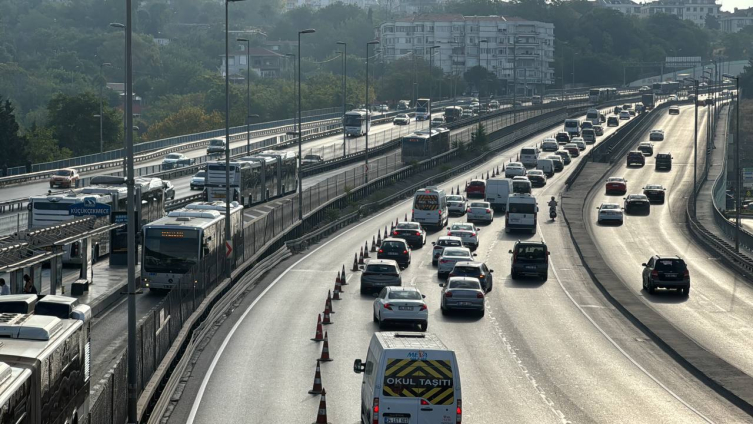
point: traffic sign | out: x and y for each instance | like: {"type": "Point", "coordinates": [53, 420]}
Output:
{"type": "Point", "coordinates": [228, 249]}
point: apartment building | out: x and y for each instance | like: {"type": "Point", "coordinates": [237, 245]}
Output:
{"type": "Point", "coordinates": [692, 10]}
{"type": "Point", "coordinates": [734, 22]}
{"type": "Point", "coordinates": [516, 50]}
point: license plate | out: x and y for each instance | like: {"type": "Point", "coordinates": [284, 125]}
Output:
{"type": "Point", "coordinates": [514, 220]}
{"type": "Point", "coordinates": [405, 308]}
{"type": "Point", "coordinates": [464, 303]}
{"type": "Point", "coordinates": [396, 420]}
{"type": "Point", "coordinates": [392, 254]}
{"type": "Point", "coordinates": [670, 275]}
{"type": "Point", "coordinates": [530, 266]}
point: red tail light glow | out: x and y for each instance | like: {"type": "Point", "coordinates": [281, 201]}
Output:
{"type": "Point", "coordinates": [459, 411]}
{"type": "Point", "coordinates": [468, 210]}
{"type": "Point", "coordinates": [424, 307]}
{"type": "Point", "coordinates": [479, 295]}
{"type": "Point", "coordinates": [424, 402]}
{"type": "Point", "coordinates": [375, 416]}
{"type": "Point", "coordinates": [394, 233]}
{"type": "Point", "coordinates": [449, 233]}
{"type": "Point", "coordinates": [443, 261]}
{"type": "Point", "coordinates": [418, 233]}
{"type": "Point", "coordinates": [448, 294]}
{"type": "Point", "coordinates": [381, 250]}
{"type": "Point", "coordinates": [388, 306]}
{"type": "Point", "coordinates": [473, 234]}
{"type": "Point", "coordinates": [488, 211]}
{"type": "Point", "coordinates": [654, 273]}
{"type": "Point", "coordinates": [405, 252]}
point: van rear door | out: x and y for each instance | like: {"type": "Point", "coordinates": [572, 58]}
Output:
{"type": "Point", "coordinates": [419, 388]}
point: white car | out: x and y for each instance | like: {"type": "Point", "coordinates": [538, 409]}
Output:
{"type": "Point", "coordinates": [598, 130]}
{"type": "Point", "coordinates": [450, 256]}
{"type": "Point", "coordinates": [441, 243]}
{"type": "Point", "coordinates": [624, 115]}
{"type": "Point", "coordinates": [401, 305]}
{"type": "Point", "coordinates": [197, 181]}
{"type": "Point", "coordinates": [456, 205]}
{"type": "Point", "coordinates": [480, 211]}
{"type": "Point", "coordinates": [550, 145]}
{"type": "Point", "coordinates": [466, 231]}
{"type": "Point", "coordinates": [580, 142]}
{"type": "Point", "coordinates": [401, 119]}
{"type": "Point", "coordinates": [673, 98]}
{"type": "Point", "coordinates": [437, 121]}
{"type": "Point", "coordinates": [174, 160]}
{"type": "Point", "coordinates": [609, 212]}
{"type": "Point", "coordinates": [656, 135]}
{"type": "Point", "coordinates": [514, 169]}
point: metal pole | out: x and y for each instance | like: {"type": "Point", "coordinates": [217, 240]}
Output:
{"type": "Point", "coordinates": [368, 117]}
{"type": "Point", "coordinates": [738, 189]}
{"type": "Point", "coordinates": [228, 236]}
{"type": "Point", "coordinates": [300, 136]}
{"type": "Point", "coordinates": [345, 92]}
{"type": "Point", "coordinates": [133, 388]}
{"type": "Point", "coordinates": [695, 149]}
{"type": "Point", "coordinates": [248, 96]}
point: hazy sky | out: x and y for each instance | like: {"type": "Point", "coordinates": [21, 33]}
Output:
{"type": "Point", "coordinates": [730, 5]}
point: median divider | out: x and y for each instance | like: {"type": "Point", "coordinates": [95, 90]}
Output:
{"type": "Point", "coordinates": [725, 379]}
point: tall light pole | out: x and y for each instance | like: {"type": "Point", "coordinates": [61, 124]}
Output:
{"type": "Point", "coordinates": [228, 198]}
{"type": "Point", "coordinates": [101, 114]}
{"type": "Point", "coordinates": [125, 71]}
{"type": "Point", "coordinates": [695, 143]}
{"type": "Point", "coordinates": [738, 188]}
{"type": "Point", "coordinates": [300, 127]}
{"type": "Point", "coordinates": [345, 89]}
{"type": "Point", "coordinates": [480, 52]}
{"type": "Point", "coordinates": [248, 92]}
{"type": "Point", "coordinates": [431, 79]}
{"type": "Point", "coordinates": [132, 377]}
{"type": "Point", "coordinates": [368, 111]}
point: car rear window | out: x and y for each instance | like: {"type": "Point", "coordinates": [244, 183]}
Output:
{"type": "Point", "coordinates": [461, 227]}
{"type": "Point", "coordinates": [408, 226]}
{"type": "Point", "coordinates": [531, 251]}
{"type": "Point", "coordinates": [455, 252]}
{"type": "Point", "coordinates": [467, 270]}
{"type": "Point", "coordinates": [449, 243]}
{"type": "Point", "coordinates": [405, 294]}
{"type": "Point", "coordinates": [477, 184]}
{"type": "Point", "coordinates": [527, 151]}
{"type": "Point", "coordinates": [479, 205]}
{"type": "Point", "coordinates": [381, 268]}
{"type": "Point", "coordinates": [670, 265]}
{"type": "Point", "coordinates": [464, 284]}
{"type": "Point", "coordinates": [521, 208]}
{"type": "Point", "coordinates": [173, 156]}
{"type": "Point", "coordinates": [393, 245]}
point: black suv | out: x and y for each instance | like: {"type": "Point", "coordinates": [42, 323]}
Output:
{"type": "Point", "coordinates": [395, 249]}
{"type": "Point", "coordinates": [613, 121]}
{"type": "Point", "coordinates": [635, 158]}
{"type": "Point", "coordinates": [530, 258]}
{"type": "Point", "coordinates": [477, 270]}
{"type": "Point", "coordinates": [663, 161]}
{"type": "Point", "coordinates": [668, 272]}
{"type": "Point", "coordinates": [562, 137]}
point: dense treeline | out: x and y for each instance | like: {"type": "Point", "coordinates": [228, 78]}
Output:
{"type": "Point", "coordinates": [53, 56]}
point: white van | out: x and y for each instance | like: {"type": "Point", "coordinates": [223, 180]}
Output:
{"type": "Point", "coordinates": [572, 127]}
{"type": "Point", "coordinates": [528, 156]}
{"type": "Point", "coordinates": [409, 378]}
{"type": "Point", "coordinates": [430, 207]}
{"type": "Point", "coordinates": [522, 213]}
{"type": "Point", "coordinates": [593, 116]}
{"type": "Point", "coordinates": [547, 166]}
{"type": "Point", "coordinates": [497, 191]}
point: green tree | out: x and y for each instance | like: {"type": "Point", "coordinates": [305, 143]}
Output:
{"type": "Point", "coordinates": [41, 146]}
{"type": "Point", "coordinates": [479, 139]}
{"type": "Point", "coordinates": [10, 139]}
{"type": "Point", "coordinates": [481, 79]}
{"type": "Point", "coordinates": [746, 81]}
{"type": "Point", "coordinates": [73, 123]}
{"type": "Point", "coordinates": [186, 121]}
{"type": "Point", "coordinates": [712, 22]}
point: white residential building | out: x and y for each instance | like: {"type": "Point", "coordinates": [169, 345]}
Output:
{"type": "Point", "coordinates": [502, 45]}
{"type": "Point", "coordinates": [733, 22]}
{"type": "Point", "coordinates": [317, 4]}
{"type": "Point", "coordinates": [692, 10]}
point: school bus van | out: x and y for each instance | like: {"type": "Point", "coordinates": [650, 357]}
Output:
{"type": "Point", "coordinates": [409, 378]}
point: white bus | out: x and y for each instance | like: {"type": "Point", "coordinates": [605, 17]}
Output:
{"type": "Point", "coordinates": [44, 369]}
{"type": "Point", "coordinates": [593, 116]}
{"type": "Point", "coordinates": [286, 175]}
{"type": "Point", "coordinates": [356, 122]}
{"type": "Point", "coordinates": [430, 207]}
{"type": "Point", "coordinates": [175, 244]}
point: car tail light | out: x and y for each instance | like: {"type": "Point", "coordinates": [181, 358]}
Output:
{"type": "Point", "coordinates": [479, 295]}
{"type": "Point", "coordinates": [481, 276]}
{"type": "Point", "coordinates": [473, 234]}
{"type": "Point", "coordinates": [418, 233]}
{"type": "Point", "coordinates": [424, 402]}
{"type": "Point", "coordinates": [381, 250]}
{"type": "Point", "coordinates": [405, 252]}
{"type": "Point", "coordinates": [424, 307]}
{"type": "Point", "coordinates": [394, 233]}
{"type": "Point", "coordinates": [375, 409]}
{"type": "Point", "coordinates": [388, 306]}
{"type": "Point", "coordinates": [459, 411]}
{"type": "Point", "coordinates": [443, 261]}
{"type": "Point", "coordinates": [654, 273]}
{"type": "Point", "coordinates": [448, 294]}
{"type": "Point", "coordinates": [468, 210]}
{"type": "Point", "coordinates": [440, 211]}
{"type": "Point", "coordinates": [686, 274]}
{"type": "Point", "coordinates": [488, 211]}
{"type": "Point", "coordinates": [449, 233]}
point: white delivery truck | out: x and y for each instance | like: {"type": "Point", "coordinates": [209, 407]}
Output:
{"type": "Point", "coordinates": [529, 156]}
{"type": "Point", "coordinates": [409, 378]}
{"type": "Point", "coordinates": [430, 207]}
{"type": "Point", "coordinates": [522, 213]}
{"type": "Point", "coordinates": [497, 191]}
{"type": "Point", "coordinates": [546, 165]}
{"type": "Point", "coordinates": [572, 127]}
{"type": "Point", "coordinates": [593, 116]}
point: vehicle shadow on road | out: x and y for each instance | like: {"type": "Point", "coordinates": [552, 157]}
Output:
{"type": "Point", "coordinates": [666, 296]}
{"type": "Point", "coordinates": [524, 282]}
{"type": "Point", "coordinates": [460, 316]}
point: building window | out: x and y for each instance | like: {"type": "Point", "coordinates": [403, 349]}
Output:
{"type": "Point", "coordinates": [243, 60]}
{"type": "Point", "coordinates": [232, 60]}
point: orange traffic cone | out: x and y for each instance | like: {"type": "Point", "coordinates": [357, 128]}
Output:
{"type": "Point", "coordinates": [325, 350]}
{"type": "Point", "coordinates": [317, 389]}
{"type": "Point", "coordinates": [337, 291]}
{"type": "Point", "coordinates": [355, 263]}
{"type": "Point", "coordinates": [379, 238]}
{"type": "Point", "coordinates": [318, 336]}
{"type": "Point", "coordinates": [328, 303]}
{"type": "Point", "coordinates": [360, 257]}
{"type": "Point", "coordinates": [366, 250]}
{"type": "Point", "coordinates": [337, 279]}
{"type": "Point", "coordinates": [373, 244]}
{"type": "Point", "coordinates": [342, 277]}
{"type": "Point", "coordinates": [406, 217]}
{"type": "Point", "coordinates": [327, 319]}
{"type": "Point", "coordinates": [321, 416]}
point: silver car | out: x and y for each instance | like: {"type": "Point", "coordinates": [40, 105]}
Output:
{"type": "Point", "coordinates": [467, 232]}
{"type": "Point", "coordinates": [380, 273]}
{"type": "Point", "coordinates": [439, 245]}
{"type": "Point", "coordinates": [450, 256]}
{"type": "Point", "coordinates": [480, 211]}
{"type": "Point", "coordinates": [456, 205]}
{"type": "Point", "coordinates": [463, 293]}
{"type": "Point", "coordinates": [401, 305]}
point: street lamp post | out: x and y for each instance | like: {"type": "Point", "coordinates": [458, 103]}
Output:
{"type": "Point", "coordinates": [738, 188]}
{"type": "Point", "coordinates": [345, 88]}
{"type": "Point", "coordinates": [101, 114]}
{"type": "Point", "coordinates": [125, 71]}
{"type": "Point", "coordinates": [431, 85]}
{"type": "Point", "coordinates": [695, 144]}
{"type": "Point", "coordinates": [368, 111]}
{"type": "Point", "coordinates": [228, 198]}
{"type": "Point", "coordinates": [480, 52]}
{"type": "Point", "coordinates": [300, 127]}
{"type": "Point", "coordinates": [248, 93]}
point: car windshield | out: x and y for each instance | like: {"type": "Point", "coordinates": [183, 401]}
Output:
{"type": "Point", "coordinates": [463, 227]}
{"type": "Point", "coordinates": [467, 270]}
{"type": "Point", "coordinates": [457, 252]}
{"type": "Point", "coordinates": [201, 174]}
{"type": "Point", "coordinates": [615, 180]}
{"type": "Point", "coordinates": [381, 268]}
{"type": "Point", "coordinates": [393, 245]}
{"type": "Point", "coordinates": [402, 115]}
{"type": "Point", "coordinates": [216, 142]}
{"type": "Point", "coordinates": [670, 265]}
{"type": "Point", "coordinates": [464, 284]}
{"type": "Point", "coordinates": [408, 226]}
{"type": "Point", "coordinates": [450, 243]}
{"type": "Point", "coordinates": [173, 156]}
{"type": "Point", "coordinates": [531, 251]}
{"type": "Point", "coordinates": [479, 205]}
{"type": "Point", "coordinates": [454, 198]}
{"type": "Point", "coordinates": [405, 295]}
{"type": "Point", "coordinates": [64, 173]}
{"type": "Point", "coordinates": [637, 197]}
{"type": "Point", "coordinates": [170, 251]}
{"type": "Point", "coordinates": [654, 187]}
{"type": "Point", "coordinates": [610, 206]}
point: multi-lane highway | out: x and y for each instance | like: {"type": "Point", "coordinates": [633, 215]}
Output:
{"type": "Point", "coordinates": [551, 351]}
{"type": "Point", "coordinates": [718, 312]}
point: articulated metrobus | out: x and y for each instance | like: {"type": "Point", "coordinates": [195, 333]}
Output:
{"type": "Point", "coordinates": [423, 145]}
{"type": "Point", "coordinates": [178, 242]}
{"type": "Point", "coordinates": [357, 122]}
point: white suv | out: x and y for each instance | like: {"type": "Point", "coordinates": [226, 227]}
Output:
{"type": "Point", "coordinates": [514, 169]}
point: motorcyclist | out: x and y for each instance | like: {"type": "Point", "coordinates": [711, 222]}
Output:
{"type": "Point", "coordinates": [552, 207]}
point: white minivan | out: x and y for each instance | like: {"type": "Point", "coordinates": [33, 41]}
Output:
{"type": "Point", "coordinates": [528, 156]}
{"type": "Point", "coordinates": [430, 207]}
{"type": "Point", "coordinates": [409, 378]}
{"type": "Point", "coordinates": [522, 213]}
{"type": "Point", "coordinates": [572, 127]}
{"type": "Point", "coordinates": [497, 191]}
{"type": "Point", "coordinates": [547, 166]}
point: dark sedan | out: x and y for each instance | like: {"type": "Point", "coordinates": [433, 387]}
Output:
{"type": "Point", "coordinates": [395, 249]}
{"type": "Point", "coordinates": [655, 193]}
{"type": "Point", "coordinates": [562, 137]}
{"type": "Point", "coordinates": [411, 232]}
{"type": "Point", "coordinates": [637, 203]}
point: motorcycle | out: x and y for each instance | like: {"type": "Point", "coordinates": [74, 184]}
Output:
{"type": "Point", "coordinates": [552, 213]}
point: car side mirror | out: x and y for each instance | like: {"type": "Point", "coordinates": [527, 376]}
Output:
{"type": "Point", "coordinates": [433, 243]}
{"type": "Point", "coordinates": [509, 251]}
{"type": "Point", "coordinates": [423, 296]}
{"type": "Point", "coordinates": [491, 270]}
{"type": "Point", "coordinates": [644, 264]}
{"type": "Point", "coordinates": [358, 366]}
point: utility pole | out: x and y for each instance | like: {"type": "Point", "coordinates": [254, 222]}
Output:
{"type": "Point", "coordinates": [368, 112]}
{"type": "Point", "coordinates": [248, 93]}
{"type": "Point", "coordinates": [345, 93]}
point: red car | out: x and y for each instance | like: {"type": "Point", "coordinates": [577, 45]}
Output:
{"type": "Point", "coordinates": [573, 149]}
{"type": "Point", "coordinates": [64, 178]}
{"type": "Point", "coordinates": [616, 185]}
{"type": "Point", "coordinates": [476, 188]}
